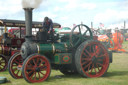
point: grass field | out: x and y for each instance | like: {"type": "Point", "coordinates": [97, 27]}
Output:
{"type": "Point", "coordinates": [117, 75]}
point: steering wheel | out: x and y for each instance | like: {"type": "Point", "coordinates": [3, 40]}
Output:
{"type": "Point", "coordinates": [80, 33]}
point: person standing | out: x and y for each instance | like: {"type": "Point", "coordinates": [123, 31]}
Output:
{"type": "Point", "coordinates": [48, 27]}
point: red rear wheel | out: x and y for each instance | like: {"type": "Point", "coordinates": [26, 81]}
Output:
{"type": "Point", "coordinates": [36, 68]}
{"type": "Point", "coordinates": [15, 65]}
{"type": "Point", "coordinates": [3, 63]}
{"type": "Point", "coordinates": [92, 59]}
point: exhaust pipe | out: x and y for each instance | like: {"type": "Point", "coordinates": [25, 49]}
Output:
{"type": "Point", "coordinates": [28, 23]}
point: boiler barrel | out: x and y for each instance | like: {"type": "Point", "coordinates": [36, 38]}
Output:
{"type": "Point", "coordinates": [52, 48]}
{"type": "Point", "coordinates": [29, 48]}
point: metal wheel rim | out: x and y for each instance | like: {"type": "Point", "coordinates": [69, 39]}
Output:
{"type": "Point", "coordinates": [3, 63]}
{"type": "Point", "coordinates": [33, 64]}
{"type": "Point", "coordinates": [91, 67]}
{"type": "Point", "coordinates": [16, 61]}
{"type": "Point", "coordinates": [80, 36]}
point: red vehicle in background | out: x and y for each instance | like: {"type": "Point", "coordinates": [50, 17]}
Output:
{"type": "Point", "coordinates": [113, 41]}
{"type": "Point", "coordinates": [20, 33]}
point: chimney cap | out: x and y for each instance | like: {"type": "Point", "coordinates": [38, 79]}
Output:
{"type": "Point", "coordinates": [28, 8]}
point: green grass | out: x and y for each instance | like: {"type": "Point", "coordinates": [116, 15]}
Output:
{"type": "Point", "coordinates": [125, 45]}
{"type": "Point", "coordinates": [117, 75]}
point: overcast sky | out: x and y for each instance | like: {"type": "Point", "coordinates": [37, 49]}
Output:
{"type": "Point", "coordinates": [69, 12]}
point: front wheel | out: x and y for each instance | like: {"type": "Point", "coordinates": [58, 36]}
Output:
{"type": "Point", "coordinates": [92, 59]}
{"type": "Point", "coordinates": [36, 68]}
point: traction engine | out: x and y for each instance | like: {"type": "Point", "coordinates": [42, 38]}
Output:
{"type": "Point", "coordinates": [75, 53]}
{"type": "Point", "coordinates": [113, 41]}
{"type": "Point", "coordinates": [9, 44]}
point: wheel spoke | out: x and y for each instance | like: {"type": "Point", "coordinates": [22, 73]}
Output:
{"type": "Point", "coordinates": [87, 65]}
{"type": "Point", "coordinates": [34, 62]}
{"type": "Point", "coordinates": [17, 72]}
{"type": "Point", "coordinates": [2, 62]}
{"type": "Point", "coordinates": [30, 68]}
{"type": "Point", "coordinates": [35, 76]}
{"type": "Point", "coordinates": [100, 64]}
{"type": "Point", "coordinates": [43, 68]}
{"type": "Point", "coordinates": [89, 68]}
{"type": "Point", "coordinates": [103, 55]}
{"type": "Point", "coordinates": [39, 75]}
{"type": "Point", "coordinates": [79, 29]}
{"type": "Point", "coordinates": [16, 62]}
{"type": "Point", "coordinates": [92, 68]}
{"type": "Point", "coordinates": [97, 67]}
{"type": "Point", "coordinates": [87, 52]}
{"type": "Point", "coordinates": [94, 49]}
{"type": "Point", "coordinates": [2, 65]}
{"type": "Point", "coordinates": [32, 75]}
{"type": "Point", "coordinates": [85, 55]}
{"type": "Point", "coordinates": [30, 64]}
{"type": "Point", "coordinates": [85, 32]}
{"type": "Point", "coordinates": [14, 69]}
{"type": "Point", "coordinates": [87, 59]}
{"type": "Point", "coordinates": [30, 72]}
{"type": "Point", "coordinates": [95, 70]}
{"type": "Point", "coordinates": [37, 61]}
{"type": "Point", "coordinates": [83, 63]}
{"type": "Point", "coordinates": [41, 62]}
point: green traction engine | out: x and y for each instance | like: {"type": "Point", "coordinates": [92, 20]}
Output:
{"type": "Point", "coordinates": [77, 52]}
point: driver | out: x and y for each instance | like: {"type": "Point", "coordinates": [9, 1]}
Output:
{"type": "Point", "coordinates": [48, 27]}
